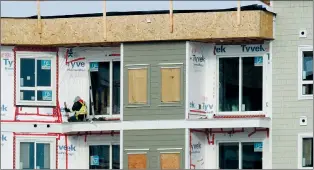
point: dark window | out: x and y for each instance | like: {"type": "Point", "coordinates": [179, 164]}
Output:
{"type": "Point", "coordinates": [307, 152]}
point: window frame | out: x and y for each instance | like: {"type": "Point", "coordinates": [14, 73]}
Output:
{"type": "Point", "coordinates": [36, 56]}
{"type": "Point", "coordinates": [301, 136]}
{"type": "Point", "coordinates": [47, 140]}
{"type": "Point", "coordinates": [110, 144]}
{"type": "Point", "coordinates": [172, 65]}
{"type": "Point", "coordinates": [110, 60]}
{"type": "Point", "coordinates": [301, 82]}
{"type": "Point", "coordinates": [266, 67]}
{"type": "Point", "coordinates": [126, 90]}
{"type": "Point", "coordinates": [240, 144]}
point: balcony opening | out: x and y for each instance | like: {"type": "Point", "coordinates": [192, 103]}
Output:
{"type": "Point", "coordinates": [104, 89]}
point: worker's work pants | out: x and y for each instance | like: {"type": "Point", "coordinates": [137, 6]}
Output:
{"type": "Point", "coordinates": [80, 118]}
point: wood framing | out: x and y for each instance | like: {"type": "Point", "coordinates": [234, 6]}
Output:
{"type": "Point", "coordinates": [256, 24]}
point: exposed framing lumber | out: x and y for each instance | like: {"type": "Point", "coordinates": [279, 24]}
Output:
{"type": "Point", "coordinates": [239, 12]}
{"type": "Point", "coordinates": [105, 20]}
{"type": "Point", "coordinates": [39, 24]}
{"type": "Point", "coordinates": [171, 15]}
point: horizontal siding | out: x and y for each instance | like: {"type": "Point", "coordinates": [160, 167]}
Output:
{"type": "Point", "coordinates": [152, 140]}
{"type": "Point", "coordinates": [153, 54]}
{"type": "Point", "coordinates": [292, 16]}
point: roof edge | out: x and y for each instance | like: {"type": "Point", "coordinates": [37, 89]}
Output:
{"type": "Point", "coordinates": [243, 8]}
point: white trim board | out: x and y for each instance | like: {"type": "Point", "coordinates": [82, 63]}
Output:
{"type": "Point", "coordinates": [167, 124]}
{"type": "Point", "coordinates": [136, 125]}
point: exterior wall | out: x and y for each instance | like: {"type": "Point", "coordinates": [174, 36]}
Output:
{"type": "Point", "coordinates": [287, 109]}
{"type": "Point", "coordinates": [78, 149]}
{"type": "Point", "coordinates": [153, 140]}
{"type": "Point", "coordinates": [153, 54]}
{"type": "Point", "coordinates": [73, 81]}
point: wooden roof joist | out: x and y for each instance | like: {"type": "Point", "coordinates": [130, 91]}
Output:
{"type": "Point", "coordinates": [257, 24]}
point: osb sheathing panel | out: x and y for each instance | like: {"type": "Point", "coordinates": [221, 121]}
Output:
{"type": "Point", "coordinates": [132, 28]}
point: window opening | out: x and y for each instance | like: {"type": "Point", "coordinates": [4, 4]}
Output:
{"type": "Point", "coordinates": [104, 88]}
{"type": "Point", "coordinates": [241, 84]}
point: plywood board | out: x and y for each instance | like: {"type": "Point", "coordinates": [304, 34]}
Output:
{"type": "Point", "coordinates": [170, 84]}
{"type": "Point", "coordinates": [135, 28]}
{"type": "Point", "coordinates": [137, 161]}
{"type": "Point", "coordinates": [137, 86]}
{"type": "Point", "coordinates": [170, 161]}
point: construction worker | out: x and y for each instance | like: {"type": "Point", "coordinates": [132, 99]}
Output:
{"type": "Point", "coordinates": [79, 108]}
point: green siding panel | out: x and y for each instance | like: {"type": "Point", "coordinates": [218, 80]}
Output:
{"type": "Point", "coordinates": [154, 54]}
{"type": "Point", "coordinates": [152, 140]}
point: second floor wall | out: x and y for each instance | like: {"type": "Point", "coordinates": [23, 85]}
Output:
{"type": "Point", "coordinates": [154, 81]}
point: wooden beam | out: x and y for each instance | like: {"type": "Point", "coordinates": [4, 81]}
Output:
{"type": "Point", "coordinates": [171, 15]}
{"type": "Point", "coordinates": [239, 12]}
{"type": "Point", "coordinates": [105, 20]}
{"type": "Point", "coordinates": [39, 17]}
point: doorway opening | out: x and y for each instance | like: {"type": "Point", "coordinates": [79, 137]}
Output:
{"type": "Point", "coordinates": [240, 155]}
{"type": "Point", "coordinates": [104, 88]}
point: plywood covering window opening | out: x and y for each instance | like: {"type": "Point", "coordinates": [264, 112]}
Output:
{"type": "Point", "coordinates": [170, 84]}
{"type": "Point", "coordinates": [36, 79]}
{"type": "Point", "coordinates": [137, 85]}
{"type": "Point", "coordinates": [137, 161]}
{"type": "Point", "coordinates": [170, 161]}
{"type": "Point", "coordinates": [305, 72]}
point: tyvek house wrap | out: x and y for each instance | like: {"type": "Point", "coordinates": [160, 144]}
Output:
{"type": "Point", "coordinates": [202, 80]}
{"type": "Point", "coordinates": [6, 150]}
{"type": "Point", "coordinates": [73, 81]}
{"type": "Point", "coordinates": [7, 82]}
{"type": "Point", "coordinates": [197, 150]}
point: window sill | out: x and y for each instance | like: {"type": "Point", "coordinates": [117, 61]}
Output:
{"type": "Point", "coordinates": [105, 116]}
{"type": "Point", "coordinates": [305, 168]}
{"type": "Point", "coordinates": [36, 104]}
{"type": "Point", "coordinates": [241, 113]}
{"type": "Point", "coordinates": [174, 104]}
{"type": "Point", "coordinates": [137, 105]}
{"type": "Point", "coordinates": [302, 97]}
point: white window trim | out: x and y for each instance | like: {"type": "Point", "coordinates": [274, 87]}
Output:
{"type": "Point", "coordinates": [47, 139]}
{"type": "Point", "coordinates": [301, 49]}
{"type": "Point", "coordinates": [300, 148]}
{"type": "Point", "coordinates": [110, 60]}
{"type": "Point", "coordinates": [265, 82]}
{"type": "Point", "coordinates": [110, 151]}
{"type": "Point", "coordinates": [36, 55]}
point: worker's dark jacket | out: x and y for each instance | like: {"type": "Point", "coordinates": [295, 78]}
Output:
{"type": "Point", "coordinates": [76, 107]}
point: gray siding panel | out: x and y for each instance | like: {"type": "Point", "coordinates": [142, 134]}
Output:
{"type": "Point", "coordinates": [153, 54]}
{"type": "Point", "coordinates": [152, 140]}
{"type": "Point", "coordinates": [287, 109]}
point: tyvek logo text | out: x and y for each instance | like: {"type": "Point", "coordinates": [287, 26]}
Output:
{"type": "Point", "coordinates": [63, 148]}
{"type": "Point", "coordinates": [3, 139]}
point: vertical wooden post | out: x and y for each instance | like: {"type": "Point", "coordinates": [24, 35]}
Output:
{"type": "Point", "coordinates": [105, 20]}
{"type": "Point", "coordinates": [39, 17]}
{"type": "Point", "coordinates": [171, 15]}
{"type": "Point", "coordinates": [239, 12]}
